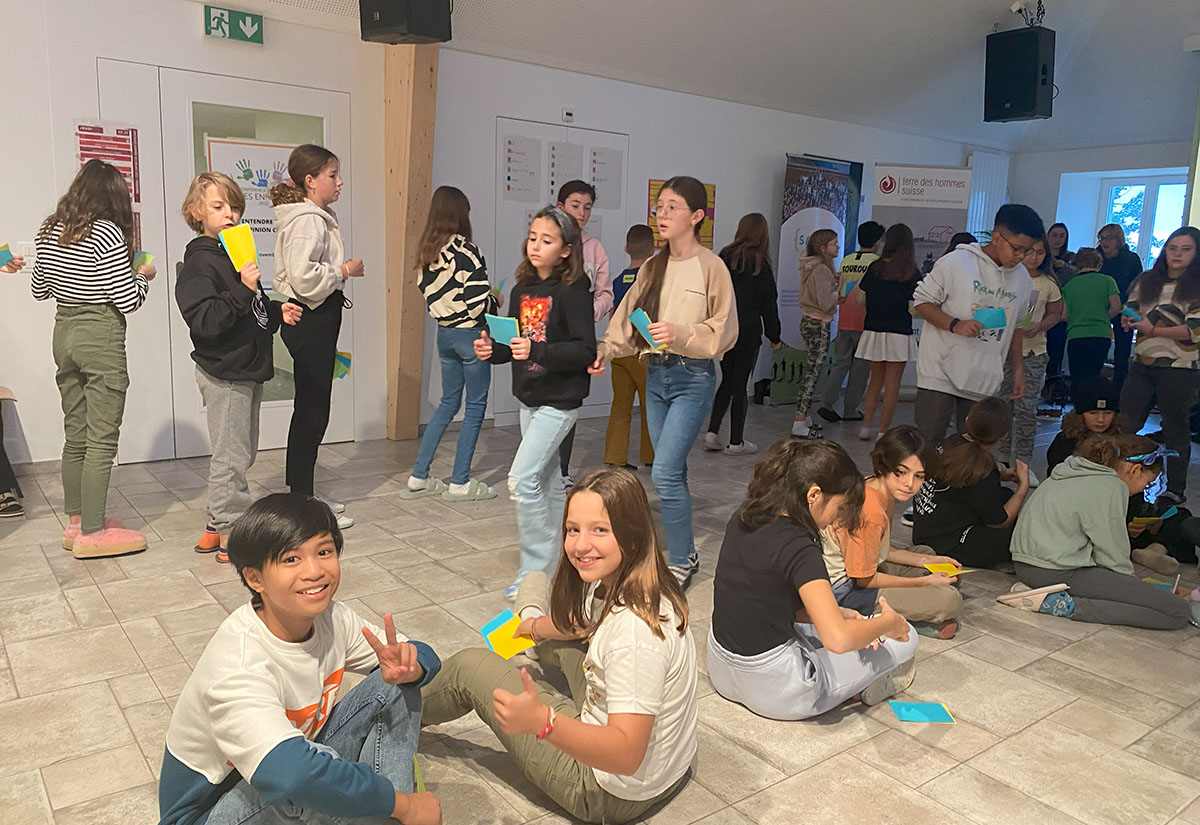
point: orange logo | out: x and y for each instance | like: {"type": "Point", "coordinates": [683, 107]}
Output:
{"type": "Point", "coordinates": [310, 719]}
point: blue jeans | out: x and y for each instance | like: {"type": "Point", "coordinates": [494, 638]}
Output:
{"type": "Point", "coordinates": [376, 723]}
{"type": "Point", "coordinates": [679, 392]}
{"type": "Point", "coordinates": [534, 483]}
{"type": "Point", "coordinates": [459, 367]}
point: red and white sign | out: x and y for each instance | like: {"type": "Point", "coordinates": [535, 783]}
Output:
{"type": "Point", "coordinates": [927, 186]}
{"type": "Point", "coordinates": [116, 144]}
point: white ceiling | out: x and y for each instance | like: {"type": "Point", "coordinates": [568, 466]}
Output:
{"type": "Point", "coordinates": [914, 66]}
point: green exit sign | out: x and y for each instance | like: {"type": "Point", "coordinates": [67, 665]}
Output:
{"type": "Point", "coordinates": [231, 24]}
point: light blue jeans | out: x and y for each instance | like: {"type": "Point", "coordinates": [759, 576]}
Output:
{"type": "Point", "coordinates": [679, 393]}
{"type": "Point", "coordinates": [460, 368]}
{"type": "Point", "coordinates": [375, 723]}
{"type": "Point", "coordinates": [535, 484]}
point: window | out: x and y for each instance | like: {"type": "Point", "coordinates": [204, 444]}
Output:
{"type": "Point", "coordinates": [1148, 209]}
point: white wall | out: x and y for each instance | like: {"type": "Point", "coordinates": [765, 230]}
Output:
{"type": "Point", "coordinates": [49, 79]}
{"type": "Point", "coordinates": [737, 147]}
{"type": "Point", "coordinates": [1035, 176]}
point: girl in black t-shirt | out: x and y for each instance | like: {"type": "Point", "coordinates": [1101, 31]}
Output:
{"type": "Point", "coordinates": [779, 642]}
{"type": "Point", "coordinates": [962, 510]}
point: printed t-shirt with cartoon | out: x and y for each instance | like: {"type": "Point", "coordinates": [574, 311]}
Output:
{"type": "Point", "coordinates": [967, 284]}
{"type": "Point", "coordinates": [943, 513]}
{"type": "Point", "coordinates": [1160, 351]}
{"type": "Point", "coordinates": [251, 709]}
{"type": "Point", "coordinates": [851, 314]}
{"type": "Point", "coordinates": [1086, 296]}
{"type": "Point", "coordinates": [630, 670]}
{"type": "Point", "coordinates": [1045, 291]}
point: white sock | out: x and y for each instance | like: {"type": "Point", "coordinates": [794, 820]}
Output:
{"type": "Point", "coordinates": [459, 489]}
{"type": "Point", "coordinates": [415, 483]}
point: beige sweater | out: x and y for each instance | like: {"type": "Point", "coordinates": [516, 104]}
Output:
{"type": "Point", "coordinates": [818, 288]}
{"type": "Point", "coordinates": [697, 296]}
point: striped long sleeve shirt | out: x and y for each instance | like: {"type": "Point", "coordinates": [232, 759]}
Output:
{"type": "Point", "coordinates": [455, 286]}
{"type": "Point", "coordinates": [94, 271]}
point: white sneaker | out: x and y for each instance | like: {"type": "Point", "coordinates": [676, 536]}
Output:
{"type": "Point", "coordinates": [1033, 480]}
{"type": "Point", "coordinates": [712, 441]}
{"type": "Point", "coordinates": [335, 506]}
{"type": "Point", "coordinates": [344, 522]}
{"type": "Point", "coordinates": [801, 429]}
{"type": "Point", "coordinates": [745, 448]}
{"type": "Point", "coordinates": [864, 434]}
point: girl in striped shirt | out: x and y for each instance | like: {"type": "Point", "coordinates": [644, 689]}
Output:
{"type": "Point", "coordinates": [85, 262]}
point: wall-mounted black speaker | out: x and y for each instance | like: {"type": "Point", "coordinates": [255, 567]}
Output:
{"type": "Point", "coordinates": [1019, 77]}
{"type": "Point", "coordinates": [405, 21]}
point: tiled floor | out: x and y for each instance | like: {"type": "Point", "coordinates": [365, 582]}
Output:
{"type": "Point", "coordinates": [1059, 722]}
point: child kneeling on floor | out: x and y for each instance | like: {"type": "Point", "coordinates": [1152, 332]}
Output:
{"type": "Point", "coordinates": [624, 738]}
{"type": "Point", "coordinates": [779, 643]}
{"type": "Point", "coordinates": [863, 563]}
{"type": "Point", "coordinates": [255, 738]}
{"type": "Point", "coordinates": [1071, 549]}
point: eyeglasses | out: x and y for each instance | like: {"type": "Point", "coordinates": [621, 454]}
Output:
{"type": "Point", "coordinates": [1150, 459]}
{"type": "Point", "coordinates": [1019, 251]}
{"type": "Point", "coordinates": [668, 209]}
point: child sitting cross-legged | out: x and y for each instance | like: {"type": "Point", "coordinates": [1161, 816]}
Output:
{"type": "Point", "coordinates": [625, 737]}
{"type": "Point", "coordinates": [255, 738]}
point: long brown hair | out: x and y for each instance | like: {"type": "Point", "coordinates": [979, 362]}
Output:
{"type": "Point", "coordinates": [655, 270]}
{"type": "Point", "coordinates": [899, 256]}
{"type": "Point", "coordinates": [449, 215]}
{"type": "Point", "coordinates": [967, 457]}
{"type": "Point", "coordinates": [306, 159]}
{"type": "Point", "coordinates": [97, 193]}
{"type": "Point", "coordinates": [751, 245]}
{"type": "Point", "coordinates": [642, 579]}
{"type": "Point", "coordinates": [817, 242]}
{"type": "Point", "coordinates": [783, 477]}
{"type": "Point", "coordinates": [1147, 287]}
{"type": "Point", "coordinates": [570, 268]}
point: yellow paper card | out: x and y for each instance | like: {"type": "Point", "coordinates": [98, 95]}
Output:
{"type": "Point", "coordinates": [500, 639]}
{"type": "Point", "coordinates": [239, 245]}
{"type": "Point", "coordinates": [949, 569]}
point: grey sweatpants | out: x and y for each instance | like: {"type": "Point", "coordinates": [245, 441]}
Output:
{"type": "Point", "coordinates": [801, 679]}
{"type": "Point", "coordinates": [842, 349]}
{"type": "Point", "coordinates": [232, 408]}
{"type": "Point", "coordinates": [1103, 596]}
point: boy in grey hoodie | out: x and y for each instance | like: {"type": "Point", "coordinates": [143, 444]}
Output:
{"type": "Point", "coordinates": [1072, 534]}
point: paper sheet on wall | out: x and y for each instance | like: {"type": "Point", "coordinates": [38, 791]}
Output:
{"type": "Point", "coordinates": [566, 163]}
{"type": "Point", "coordinates": [115, 144]}
{"type": "Point", "coordinates": [522, 169]}
{"type": "Point", "coordinates": [606, 175]}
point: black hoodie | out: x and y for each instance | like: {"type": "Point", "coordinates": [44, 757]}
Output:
{"type": "Point", "coordinates": [232, 340]}
{"type": "Point", "coordinates": [557, 318]}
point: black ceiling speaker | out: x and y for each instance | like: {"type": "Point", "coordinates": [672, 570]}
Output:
{"type": "Point", "coordinates": [1019, 76]}
{"type": "Point", "coordinates": [405, 21]}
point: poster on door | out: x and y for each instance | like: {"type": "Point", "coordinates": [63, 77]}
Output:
{"type": "Point", "coordinates": [931, 200]}
{"type": "Point", "coordinates": [256, 167]}
{"type": "Point", "coordinates": [115, 144]}
{"type": "Point", "coordinates": [710, 212]}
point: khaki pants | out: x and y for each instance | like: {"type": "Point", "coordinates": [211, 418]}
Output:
{"type": "Point", "coordinates": [628, 378]}
{"type": "Point", "coordinates": [89, 351]}
{"type": "Point", "coordinates": [932, 603]}
{"type": "Point", "coordinates": [465, 684]}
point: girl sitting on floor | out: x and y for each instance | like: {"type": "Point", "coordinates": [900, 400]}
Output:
{"type": "Point", "coordinates": [779, 643]}
{"type": "Point", "coordinates": [963, 511]}
{"type": "Point", "coordinates": [864, 563]}
{"type": "Point", "coordinates": [1071, 548]}
{"type": "Point", "coordinates": [624, 738]}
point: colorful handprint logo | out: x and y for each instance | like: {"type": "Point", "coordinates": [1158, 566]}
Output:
{"type": "Point", "coordinates": [244, 171]}
{"type": "Point", "coordinates": [255, 177]}
{"type": "Point", "coordinates": [280, 173]}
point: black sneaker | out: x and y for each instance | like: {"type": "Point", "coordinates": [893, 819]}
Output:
{"type": "Point", "coordinates": [854, 416]}
{"type": "Point", "coordinates": [684, 574]}
{"type": "Point", "coordinates": [829, 415]}
{"type": "Point", "coordinates": [10, 507]}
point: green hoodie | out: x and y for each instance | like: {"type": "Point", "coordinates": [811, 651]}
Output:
{"type": "Point", "coordinates": [1075, 519]}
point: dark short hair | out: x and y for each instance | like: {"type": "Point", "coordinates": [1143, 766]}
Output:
{"type": "Point", "coordinates": [576, 187]}
{"type": "Point", "coordinates": [1020, 220]}
{"type": "Point", "coordinates": [897, 444]}
{"type": "Point", "coordinates": [276, 525]}
{"type": "Point", "coordinates": [869, 234]}
{"type": "Point", "coordinates": [639, 241]}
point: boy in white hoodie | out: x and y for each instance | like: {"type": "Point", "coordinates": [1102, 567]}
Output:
{"type": "Point", "coordinates": [971, 303]}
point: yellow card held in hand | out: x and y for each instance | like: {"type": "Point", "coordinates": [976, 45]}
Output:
{"type": "Point", "coordinates": [949, 569]}
{"type": "Point", "coordinates": [239, 245]}
{"type": "Point", "coordinates": [498, 633]}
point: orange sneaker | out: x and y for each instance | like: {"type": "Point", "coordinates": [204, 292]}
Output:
{"type": "Point", "coordinates": [72, 532]}
{"type": "Point", "coordinates": [210, 540]}
{"type": "Point", "coordinates": [111, 541]}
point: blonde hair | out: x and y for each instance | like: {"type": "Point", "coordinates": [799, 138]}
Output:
{"type": "Point", "coordinates": [193, 204]}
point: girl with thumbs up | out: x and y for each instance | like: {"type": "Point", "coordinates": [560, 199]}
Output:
{"type": "Point", "coordinates": [623, 740]}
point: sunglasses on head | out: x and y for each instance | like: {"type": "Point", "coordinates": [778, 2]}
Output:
{"type": "Point", "coordinates": [1150, 459]}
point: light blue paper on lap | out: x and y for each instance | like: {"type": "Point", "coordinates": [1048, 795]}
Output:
{"type": "Point", "coordinates": [991, 317]}
{"type": "Point", "coordinates": [934, 712]}
{"type": "Point", "coordinates": [502, 328]}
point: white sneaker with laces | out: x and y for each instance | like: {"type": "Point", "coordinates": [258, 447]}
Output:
{"type": "Point", "coordinates": [712, 441]}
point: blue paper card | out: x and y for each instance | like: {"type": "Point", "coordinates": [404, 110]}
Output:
{"type": "Point", "coordinates": [846, 290]}
{"type": "Point", "coordinates": [502, 328]}
{"type": "Point", "coordinates": [6, 255]}
{"type": "Point", "coordinates": [934, 712]}
{"type": "Point", "coordinates": [495, 624]}
{"type": "Point", "coordinates": [991, 317]}
{"type": "Point", "coordinates": [641, 322]}
{"type": "Point", "coordinates": [1130, 314]}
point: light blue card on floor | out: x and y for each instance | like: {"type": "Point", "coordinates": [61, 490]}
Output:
{"type": "Point", "coordinates": [502, 328]}
{"type": "Point", "coordinates": [991, 317]}
{"type": "Point", "coordinates": [932, 712]}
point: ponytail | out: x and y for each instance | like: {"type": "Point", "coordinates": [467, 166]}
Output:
{"type": "Point", "coordinates": [967, 457]}
{"type": "Point", "coordinates": [305, 160]}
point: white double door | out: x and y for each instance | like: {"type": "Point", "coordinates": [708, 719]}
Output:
{"type": "Point", "coordinates": [177, 113]}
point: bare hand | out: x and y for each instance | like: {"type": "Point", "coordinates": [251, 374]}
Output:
{"type": "Point", "coordinates": [148, 271]}
{"type": "Point", "coordinates": [899, 631]}
{"type": "Point", "coordinates": [522, 712]}
{"type": "Point", "coordinates": [251, 276]}
{"type": "Point", "coordinates": [14, 266]}
{"type": "Point", "coordinates": [663, 332]}
{"type": "Point", "coordinates": [1022, 470]}
{"type": "Point", "coordinates": [850, 614]}
{"type": "Point", "coordinates": [1143, 326]}
{"type": "Point", "coordinates": [418, 809]}
{"type": "Point", "coordinates": [937, 578]}
{"type": "Point", "coordinates": [1136, 529]}
{"type": "Point", "coordinates": [597, 367]}
{"type": "Point", "coordinates": [291, 313]}
{"type": "Point", "coordinates": [525, 628]}
{"type": "Point", "coordinates": [776, 344]}
{"type": "Point", "coordinates": [968, 329]}
{"type": "Point", "coordinates": [398, 663]}
{"type": "Point", "coordinates": [944, 560]}
{"type": "Point", "coordinates": [483, 346]}
{"type": "Point", "coordinates": [354, 268]}
{"type": "Point", "coordinates": [1018, 389]}
{"type": "Point", "coordinates": [520, 348]}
